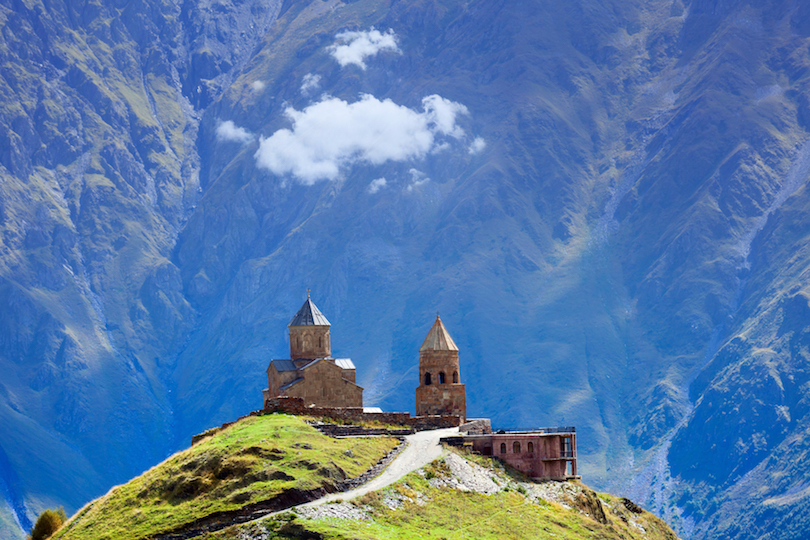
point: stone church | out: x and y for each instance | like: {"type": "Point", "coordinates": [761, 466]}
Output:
{"type": "Point", "coordinates": [311, 373]}
{"type": "Point", "coordinates": [312, 378]}
{"type": "Point", "coordinates": [322, 381]}
{"type": "Point", "coordinates": [440, 391]}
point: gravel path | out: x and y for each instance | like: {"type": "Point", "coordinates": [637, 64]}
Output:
{"type": "Point", "coordinates": [423, 447]}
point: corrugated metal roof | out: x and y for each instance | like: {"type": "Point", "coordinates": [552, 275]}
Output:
{"type": "Point", "coordinates": [283, 365]}
{"type": "Point", "coordinates": [345, 363]}
{"type": "Point", "coordinates": [309, 315]}
{"type": "Point", "coordinates": [438, 339]}
{"type": "Point", "coordinates": [289, 384]}
{"type": "Point", "coordinates": [311, 362]}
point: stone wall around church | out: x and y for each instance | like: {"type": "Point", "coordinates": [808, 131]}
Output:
{"type": "Point", "coordinates": [294, 405]}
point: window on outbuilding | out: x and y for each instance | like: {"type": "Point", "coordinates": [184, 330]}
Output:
{"type": "Point", "coordinates": [516, 447]}
{"type": "Point", "coordinates": [530, 447]}
{"type": "Point", "coordinates": [565, 447]}
{"type": "Point", "coordinates": [441, 377]}
{"type": "Point", "coordinates": [503, 448]}
{"type": "Point", "coordinates": [427, 379]}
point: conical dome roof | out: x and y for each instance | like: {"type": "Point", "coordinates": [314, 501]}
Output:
{"type": "Point", "coordinates": [438, 339]}
{"type": "Point", "coordinates": [309, 315]}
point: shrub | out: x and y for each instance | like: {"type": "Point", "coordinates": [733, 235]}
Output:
{"type": "Point", "coordinates": [48, 523]}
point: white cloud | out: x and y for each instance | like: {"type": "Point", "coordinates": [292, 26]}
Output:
{"type": "Point", "coordinates": [377, 185]}
{"type": "Point", "coordinates": [228, 131]}
{"type": "Point", "coordinates": [257, 86]}
{"type": "Point", "coordinates": [417, 179]}
{"type": "Point", "coordinates": [442, 114]}
{"type": "Point", "coordinates": [477, 145]}
{"type": "Point", "coordinates": [309, 83]}
{"type": "Point", "coordinates": [355, 47]}
{"type": "Point", "coordinates": [333, 133]}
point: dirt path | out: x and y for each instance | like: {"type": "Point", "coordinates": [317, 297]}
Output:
{"type": "Point", "coordinates": [423, 447]}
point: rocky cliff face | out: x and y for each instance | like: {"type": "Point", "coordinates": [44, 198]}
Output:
{"type": "Point", "coordinates": [100, 169]}
{"type": "Point", "coordinates": [604, 200]}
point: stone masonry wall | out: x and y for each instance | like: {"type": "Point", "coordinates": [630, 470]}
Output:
{"type": "Point", "coordinates": [441, 399]}
{"type": "Point", "coordinates": [324, 385]}
{"type": "Point", "coordinates": [293, 405]}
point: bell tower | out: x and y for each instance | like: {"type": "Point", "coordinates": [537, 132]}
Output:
{"type": "Point", "coordinates": [440, 391]}
{"type": "Point", "coordinates": [309, 333]}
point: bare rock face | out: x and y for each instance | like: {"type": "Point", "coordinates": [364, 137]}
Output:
{"type": "Point", "coordinates": [616, 230]}
{"type": "Point", "coordinates": [98, 172]}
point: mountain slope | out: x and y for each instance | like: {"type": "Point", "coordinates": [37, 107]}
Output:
{"type": "Point", "coordinates": [604, 200]}
{"type": "Point", "coordinates": [258, 460]}
{"type": "Point", "coordinates": [262, 459]}
{"type": "Point", "coordinates": [99, 169]}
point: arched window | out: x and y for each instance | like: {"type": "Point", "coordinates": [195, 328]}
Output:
{"type": "Point", "coordinates": [299, 342]}
{"type": "Point", "coordinates": [441, 377]}
{"type": "Point", "coordinates": [427, 379]}
{"type": "Point", "coordinates": [455, 377]}
{"type": "Point", "coordinates": [320, 344]}
{"type": "Point", "coordinates": [516, 447]}
{"type": "Point", "coordinates": [503, 448]}
{"type": "Point", "coordinates": [530, 447]}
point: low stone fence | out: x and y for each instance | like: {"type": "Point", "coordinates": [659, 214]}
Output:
{"type": "Point", "coordinates": [340, 430]}
{"type": "Point", "coordinates": [295, 405]}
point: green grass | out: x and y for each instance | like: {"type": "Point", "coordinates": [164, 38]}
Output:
{"type": "Point", "coordinates": [444, 513]}
{"type": "Point", "coordinates": [254, 460]}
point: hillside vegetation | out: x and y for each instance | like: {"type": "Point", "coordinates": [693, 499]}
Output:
{"type": "Point", "coordinates": [255, 460]}
{"type": "Point", "coordinates": [464, 496]}
{"type": "Point", "coordinates": [615, 227]}
{"type": "Point", "coordinates": [460, 495]}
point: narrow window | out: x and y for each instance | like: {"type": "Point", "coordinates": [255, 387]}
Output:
{"type": "Point", "coordinates": [427, 379]}
{"type": "Point", "coordinates": [565, 447]}
{"type": "Point", "coordinates": [516, 447]}
{"type": "Point", "coordinates": [319, 342]}
{"type": "Point", "coordinates": [503, 448]}
{"type": "Point", "coordinates": [441, 377]}
{"type": "Point", "coordinates": [455, 377]}
{"type": "Point", "coordinates": [530, 447]}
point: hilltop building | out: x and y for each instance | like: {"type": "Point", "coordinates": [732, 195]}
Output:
{"type": "Point", "coordinates": [312, 382]}
{"type": "Point", "coordinates": [440, 391]}
{"type": "Point", "coordinates": [543, 454]}
{"type": "Point", "coordinates": [311, 373]}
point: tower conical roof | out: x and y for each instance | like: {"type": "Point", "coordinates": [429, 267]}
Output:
{"type": "Point", "coordinates": [438, 339]}
{"type": "Point", "coordinates": [309, 315]}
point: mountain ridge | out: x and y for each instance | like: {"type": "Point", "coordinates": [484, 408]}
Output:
{"type": "Point", "coordinates": [617, 254]}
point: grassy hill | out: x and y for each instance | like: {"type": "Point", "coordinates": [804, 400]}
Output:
{"type": "Point", "coordinates": [256, 460]}
{"type": "Point", "coordinates": [431, 503]}
{"type": "Point", "coordinates": [627, 252]}
{"type": "Point", "coordinates": [262, 459]}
